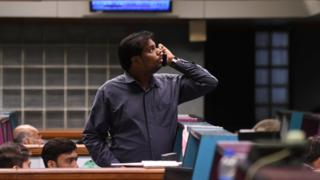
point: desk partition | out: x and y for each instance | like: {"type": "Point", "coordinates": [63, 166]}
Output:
{"type": "Point", "coordinates": [201, 147]}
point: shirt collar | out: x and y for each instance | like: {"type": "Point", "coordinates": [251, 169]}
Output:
{"type": "Point", "coordinates": [129, 79]}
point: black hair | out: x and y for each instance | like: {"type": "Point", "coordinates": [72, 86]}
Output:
{"type": "Point", "coordinates": [13, 154]}
{"type": "Point", "coordinates": [55, 147]}
{"type": "Point", "coordinates": [132, 45]}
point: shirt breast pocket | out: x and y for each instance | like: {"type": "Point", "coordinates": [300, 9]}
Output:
{"type": "Point", "coordinates": [163, 102]}
{"type": "Point", "coordinates": [163, 112]}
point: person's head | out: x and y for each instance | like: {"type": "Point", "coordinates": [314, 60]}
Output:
{"type": "Point", "coordinates": [313, 152]}
{"type": "Point", "coordinates": [14, 155]}
{"type": "Point", "coordinates": [139, 49]}
{"type": "Point", "coordinates": [27, 134]}
{"type": "Point", "coordinates": [60, 153]}
{"type": "Point", "coordinates": [267, 125]}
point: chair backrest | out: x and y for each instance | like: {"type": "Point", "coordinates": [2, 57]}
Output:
{"type": "Point", "coordinates": [8, 122]}
{"type": "Point", "coordinates": [267, 125]}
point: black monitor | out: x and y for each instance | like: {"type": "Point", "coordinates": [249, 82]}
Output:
{"type": "Point", "coordinates": [258, 136]}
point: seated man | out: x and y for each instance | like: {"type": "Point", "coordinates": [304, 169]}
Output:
{"type": "Point", "coordinates": [27, 134]}
{"type": "Point", "coordinates": [14, 155]}
{"type": "Point", "coordinates": [60, 153]}
{"type": "Point", "coordinates": [267, 125]}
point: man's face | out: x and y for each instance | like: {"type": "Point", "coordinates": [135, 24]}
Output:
{"type": "Point", "coordinates": [35, 137]}
{"type": "Point", "coordinates": [67, 160]}
{"type": "Point", "coordinates": [151, 57]}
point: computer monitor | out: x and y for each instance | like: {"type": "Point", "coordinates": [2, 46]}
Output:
{"type": "Point", "coordinates": [131, 5]}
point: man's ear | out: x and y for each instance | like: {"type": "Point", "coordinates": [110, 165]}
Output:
{"type": "Point", "coordinates": [52, 164]}
{"type": "Point", "coordinates": [26, 140]}
{"type": "Point", "coordinates": [135, 59]}
{"type": "Point", "coordinates": [15, 167]}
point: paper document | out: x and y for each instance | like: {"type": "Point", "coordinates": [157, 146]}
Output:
{"type": "Point", "coordinates": [149, 164]}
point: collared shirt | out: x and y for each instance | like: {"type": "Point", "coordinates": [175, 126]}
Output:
{"type": "Point", "coordinates": [142, 123]}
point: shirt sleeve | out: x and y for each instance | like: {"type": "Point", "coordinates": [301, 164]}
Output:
{"type": "Point", "coordinates": [95, 131]}
{"type": "Point", "coordinates": [195, 81]}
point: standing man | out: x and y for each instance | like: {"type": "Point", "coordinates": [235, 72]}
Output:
{"type": "Point", "coordinates": [138, 109]}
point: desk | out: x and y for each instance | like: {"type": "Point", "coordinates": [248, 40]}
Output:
{"type": "Point", "coordinates": [83, 174]}
{"type": "Point", "coordinates": [69, 134]}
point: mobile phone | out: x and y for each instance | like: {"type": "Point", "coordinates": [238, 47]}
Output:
{"type": "Point", "coordinates": [164, 60]}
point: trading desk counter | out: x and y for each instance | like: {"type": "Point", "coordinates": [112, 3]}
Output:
{"type": "Point", "coordinates": [83, 174]}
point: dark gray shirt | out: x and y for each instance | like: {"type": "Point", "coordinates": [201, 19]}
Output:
{"type": "Point", "coordinates": [142, 123]}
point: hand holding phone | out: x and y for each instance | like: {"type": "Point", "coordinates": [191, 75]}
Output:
{"type": "Point", "coordinates": [164, 60]}
{"type": "Point", "coordinates": [166, 55]}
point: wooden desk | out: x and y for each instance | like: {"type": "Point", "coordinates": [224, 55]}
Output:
{"type": "Point", "coordinates": [69, 134]}
{"type": "Point", "coordinates": [37, 149]}
{"type": "Point", "coordinates": [83, 174]}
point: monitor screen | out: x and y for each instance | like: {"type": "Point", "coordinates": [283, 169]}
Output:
{"type": "Point", "coordinates": [131, 5]}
